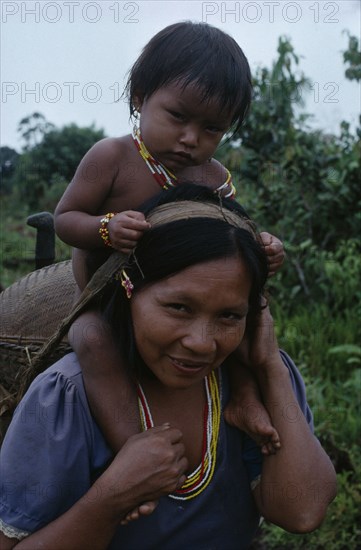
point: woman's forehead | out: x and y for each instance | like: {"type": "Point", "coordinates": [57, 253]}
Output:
{"type": "Point", "coordinates": [222, 281]}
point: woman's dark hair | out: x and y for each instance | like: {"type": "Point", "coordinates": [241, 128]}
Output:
{"type": "Point", "coordinates": [168, 249]}
{"type": "Point", "coordinates": [199, 54]}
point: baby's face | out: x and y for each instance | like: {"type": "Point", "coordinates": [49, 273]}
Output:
{"type": "Point", "coordinates": [179, 128]}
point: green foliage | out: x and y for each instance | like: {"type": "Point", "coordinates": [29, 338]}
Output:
{"type": "Point", "coordinates": [352, 352]}
{"type": "Point", "coordinates": [300, 185]}
{"type": "Point", "coordinates": [8, 161]}
{"type": "Point", "coordinates": [53, 159]}
{"type": "Point", "coordinates": [277, 92]}
{"type": "Point", "coordinates": [17, 242]}
{"type": "Point", "coordinates": [321, 346]}
{"type": "Point", "coordinates": [311, 274]}
{"type": "Point", "coordinates": [352, 57]}
{"type": "Point", "coordinates": [32, 129]}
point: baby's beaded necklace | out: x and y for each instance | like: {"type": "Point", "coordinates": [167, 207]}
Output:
{"type": "Point", "coordinates": [200, 478]}
{"type": "Point", "coordinates": [163, 176]}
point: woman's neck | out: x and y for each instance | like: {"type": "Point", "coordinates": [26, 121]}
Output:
{"type": "Point", "coordinates": [183, 408]}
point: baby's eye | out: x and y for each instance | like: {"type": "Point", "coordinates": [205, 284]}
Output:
{"type": "Point", "coordinates": [177, 115]}
{"type": "Point", "coordinates": [215, 130]}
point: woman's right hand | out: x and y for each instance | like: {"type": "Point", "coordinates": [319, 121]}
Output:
{"type": "Point", "coordinates": [150, 465]}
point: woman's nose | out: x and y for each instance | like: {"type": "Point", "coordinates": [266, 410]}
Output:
{"type": "Point", "coordinates": [201, 339]}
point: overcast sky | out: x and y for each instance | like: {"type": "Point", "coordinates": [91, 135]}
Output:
{"type": "Point", "coordinates": [68, 59]}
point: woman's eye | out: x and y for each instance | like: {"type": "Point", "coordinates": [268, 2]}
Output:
{"type": "Point", "coordinates": [177, 307]}
{"type": "Point", "coordinates": [232, 316]}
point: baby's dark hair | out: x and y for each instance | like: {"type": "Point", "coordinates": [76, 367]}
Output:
{"type": "Point", "coordinates": [168, 249]}
{"type": "Point", "coordinates": [199, 54]}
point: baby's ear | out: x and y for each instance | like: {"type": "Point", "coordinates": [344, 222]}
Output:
{"type": "Point", "coordinates": [137, 101]}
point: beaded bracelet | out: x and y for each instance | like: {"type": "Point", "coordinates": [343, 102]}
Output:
{"type": "Point", "coordinates": [103, 229]}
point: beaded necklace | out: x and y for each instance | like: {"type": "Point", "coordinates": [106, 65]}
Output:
{"type": "Point", "coordinates": [164, 177]}
{"type": "Point", "coordinates": [200, 478]}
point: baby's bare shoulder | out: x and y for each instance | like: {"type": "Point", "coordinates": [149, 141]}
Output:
{"type": "Point", "coordinates": [109, 150]}
{"type": "Point", "coordinates": [105, 161]}
{"type": "Point", "coordinates": [211, 174]}
{"type": "Point", "coordinates": [217, 172]}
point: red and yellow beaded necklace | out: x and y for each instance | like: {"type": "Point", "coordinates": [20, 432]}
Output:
{"type": "Point", "coordinates": [164, 177]}
{"type": "Point", "coordinates": [199, 479]}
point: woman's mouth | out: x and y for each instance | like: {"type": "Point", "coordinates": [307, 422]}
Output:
{"type": "Point", "coordinates": [187, 366]}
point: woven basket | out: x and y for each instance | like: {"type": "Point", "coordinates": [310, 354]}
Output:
{"type": "Point", "coordinates": [30, 311]}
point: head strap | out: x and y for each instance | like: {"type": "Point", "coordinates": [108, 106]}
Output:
{"type": "Point", "coordinates": [185, 210]}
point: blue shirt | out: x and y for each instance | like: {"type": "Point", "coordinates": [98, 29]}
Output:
{"type": "Point", "coordinates": [54, 450]}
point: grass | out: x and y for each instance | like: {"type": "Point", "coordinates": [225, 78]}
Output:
{"type": "Point", "coordinates": [325, 349]}
{"type": "Point", "coordinates": [17, 244]}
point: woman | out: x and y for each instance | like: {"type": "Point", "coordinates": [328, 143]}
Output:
{"type": "Point", "coordinates": [179, 307]}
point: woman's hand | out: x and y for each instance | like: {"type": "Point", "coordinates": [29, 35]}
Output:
{"type": "Point", "coordinates": [125, 229]}
{"type": "Point", "coordinates": [150, 465]}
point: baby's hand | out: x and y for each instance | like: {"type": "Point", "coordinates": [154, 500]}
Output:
{"type": "Point", "coordinates": [144, 509]}
{"type": "Point", "coordinates": [274, 250]}
{"type": "Point", "coordinates": [125, 229]}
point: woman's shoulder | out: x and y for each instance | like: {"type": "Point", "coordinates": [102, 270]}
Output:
{"type": "Point", "coordinates": [55, 411]}
{"type": "Point", "coordinates": [67, 369]}
{"type": "Point", "coordinates": [57, 392]}
{"type": "Point", "coordinates": [52, 446]}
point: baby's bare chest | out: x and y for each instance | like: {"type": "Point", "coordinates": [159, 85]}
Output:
{"type": "Point", "coordinates": [134, 183]}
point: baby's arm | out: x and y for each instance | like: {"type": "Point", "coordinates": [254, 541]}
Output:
{"type": "Point", "coordinates": [77, 218]}
{"type": "Point", "coordinates": [79, 214]}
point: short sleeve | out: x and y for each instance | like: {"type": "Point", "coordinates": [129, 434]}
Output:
{"type": "Point", "coordinates": [44, 461]}
{"type": "Point", "coordinates": [299, 388]}
{"type": "Point", "coordinates": [252, 455]}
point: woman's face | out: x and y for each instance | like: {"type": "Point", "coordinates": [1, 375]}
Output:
{"type": "Point", "coordinates": [187, 324]}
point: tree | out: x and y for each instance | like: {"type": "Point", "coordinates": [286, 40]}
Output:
{"type": "Point", "coordinates": [8, 161]}
{"type": "Point", "coordinates": [352, 57]}
{"type": "Point", "coordinates": [48, 165]}
{"type": "Point", "coordinates": [32, 129]}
